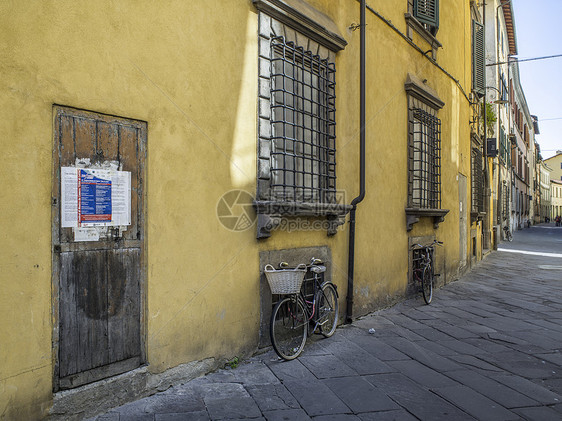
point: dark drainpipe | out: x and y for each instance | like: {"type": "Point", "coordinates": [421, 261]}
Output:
{"type": "Point", "coordinates": [358, 199]}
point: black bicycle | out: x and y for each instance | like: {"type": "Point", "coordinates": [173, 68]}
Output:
{"type": "Point", "coordinates": [297, 315]}
{"type": "Point", "coordinates": [422, 263]}
{"type": "Point", "coordinates": [508, 235]}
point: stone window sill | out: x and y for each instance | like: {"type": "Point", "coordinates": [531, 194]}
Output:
{"type": "Point", "coordinates": [271, 214]}
{"type": "Point", "coordinates": [413, 216]}
{"type": "Point", "coordinates": [477, 216]}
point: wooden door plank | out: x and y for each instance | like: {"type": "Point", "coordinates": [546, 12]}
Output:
{"type": "Point", "coordinates": [107, 142]}
{"type": "Point", "coordinates": [85, 139]}
{"type": "Point", "coordinates": [124, 314]}
{"type": "Point", "coordinates": [128, 157]}
{"type": "Point", "coordinates": [99, 373]}
{"type": "Point", "coordinates": [67, 159]}
{"type": "Point", "coordinates": [132, 330]}
{"type": "Point", "coordinates": [89, 274]}
{"type": "Point", "coordinates": [68, 321]}
{"type": "Point", "coordinates": [67, 154]}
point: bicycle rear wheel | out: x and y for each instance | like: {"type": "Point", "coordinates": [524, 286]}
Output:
{"type": "Point", "coordinates": [288, 328]}
{"type": "Point", "coordinates": [327, 313]}
{"type": "Point", "coordinates": [427, 284]}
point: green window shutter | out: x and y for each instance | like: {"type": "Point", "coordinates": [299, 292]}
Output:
{"type": "Point", "coordinates": [478, 67]}
{"type": "Point", "coordinates": [427, 11]}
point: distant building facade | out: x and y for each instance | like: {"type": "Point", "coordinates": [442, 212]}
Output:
{"type": "Point", "coordinates": [556, 198]}
{"type": "Point", "coordinates": [555, 164]}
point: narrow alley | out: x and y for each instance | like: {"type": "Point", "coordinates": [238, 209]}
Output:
{"type": "Point", "coordinates": [487, 348]}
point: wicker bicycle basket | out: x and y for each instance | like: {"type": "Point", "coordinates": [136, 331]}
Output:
{"type": "Point", "coordinates": [285, 281]}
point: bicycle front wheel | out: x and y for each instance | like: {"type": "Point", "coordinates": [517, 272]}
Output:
{"type": "Point", "coordinates": [288, 328]}
{"type": "Point", "coordinates": [427, 284]}
{"type": "Point", "coordinates": [327, 313]}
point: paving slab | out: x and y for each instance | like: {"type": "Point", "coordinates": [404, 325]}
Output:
{"type": "Point", "coordinates": [493, 389]}
{"type": "Point", "coordinates": [326, 366]}
{"type": "Point", "coordinates": [416, 351]}
{"type": "Point", "coordinates": [316, 398]}
{"type": "Point", "coordinates": [400, 415]}
{"type": "Point", "coordinates": [287, 415]}
{"type": "Point", "coordinates": [337, 417]}
{"type": "Point", "coordinates": [360, 360]}
{"type": "Point", "coordinates": [272, 397]}
{"type": "Point", "coordinates": [475, 404]}
{"type": "Point", "coordinates": [542, 413]}
{"type": "Point", "coordinates": [192, 416]}
{"type": "Point", "coordinates": [416, 400]}
{"type": "Point", "coordinates": [423, 375]}
{"type": "Point", "coordinates": [290, 370]}
{"type": "Point", "coordinates": [378, 347]}
{"type": "Point", "coordinates": [528, 388]}
{"type": "Point", "coordinates": [360, 395]}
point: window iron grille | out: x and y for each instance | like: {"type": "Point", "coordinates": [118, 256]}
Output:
{"type": "Point", "coordinates": [477, 181]}
{"type": "Point", "coordinates": [425, 160]}
{"type": "Point", "coordinates": [303, 150]}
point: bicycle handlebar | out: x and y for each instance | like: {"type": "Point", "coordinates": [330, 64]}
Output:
{"type": "Point", "coordinates": [313, 262]}
{"type": "Point", "coordinates": [420, 246]}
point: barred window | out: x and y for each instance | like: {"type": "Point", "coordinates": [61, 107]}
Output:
{"type": "Point", "coordinates": [296, 171]}
{"type": "Point", "coordinates": [477, 181]}
{"type": "Point", "coordinates": [303, 150]}
{"type": "Point", "coordinates": [425, 160]}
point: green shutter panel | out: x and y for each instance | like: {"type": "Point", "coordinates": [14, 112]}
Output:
{"type": "Point", "coordinates": [478, 65]}
{"type": "Point", "coordinates": [427, 11]}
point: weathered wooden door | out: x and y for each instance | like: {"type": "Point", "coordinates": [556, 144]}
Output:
{"type": "Point", "coordinates": [98, 272]}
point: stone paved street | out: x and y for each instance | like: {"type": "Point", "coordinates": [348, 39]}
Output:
{"type": "Point", "coordinates": [487, 348]}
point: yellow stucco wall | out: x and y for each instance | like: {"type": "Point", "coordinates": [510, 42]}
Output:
{"type": "Point", "coordinates": [191, 74]}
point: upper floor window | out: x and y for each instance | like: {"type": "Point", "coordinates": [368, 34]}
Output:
{"type": "Point", "coordinates": [478, 59]}
{"type": "Point", "coordinates": [427, 13]}
{"type": "Point", "coordinates": [423, 17]}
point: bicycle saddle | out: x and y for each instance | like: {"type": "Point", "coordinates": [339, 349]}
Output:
{"type": "Point", "coordinates": [318, 269]}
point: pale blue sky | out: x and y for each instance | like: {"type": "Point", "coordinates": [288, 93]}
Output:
{"type": "Point", "coordinates": [538, 29]}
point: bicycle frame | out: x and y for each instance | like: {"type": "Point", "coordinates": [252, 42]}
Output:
{"type": "Point", "coordinates": [310, 306]}
{"type": "Point", "coordinates": [422, 268]}
{"type": "Point", "coordinates": [298, 315]}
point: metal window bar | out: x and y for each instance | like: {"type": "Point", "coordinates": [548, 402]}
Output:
{"type": "Point", "coordinates": [303, 153]}
{"type": "Point", "coordinates": [425, 167]}
{"type": "Point", "coordinates": [477, 181]}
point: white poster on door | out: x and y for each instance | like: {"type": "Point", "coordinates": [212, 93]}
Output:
{"type": "Point", "coordinates": [95, 197]}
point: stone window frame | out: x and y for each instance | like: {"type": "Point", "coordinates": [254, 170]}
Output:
{"type": "Point", "coordinates": [315, 32]}
{"type": "Point", "coordinates": [420, 96]}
